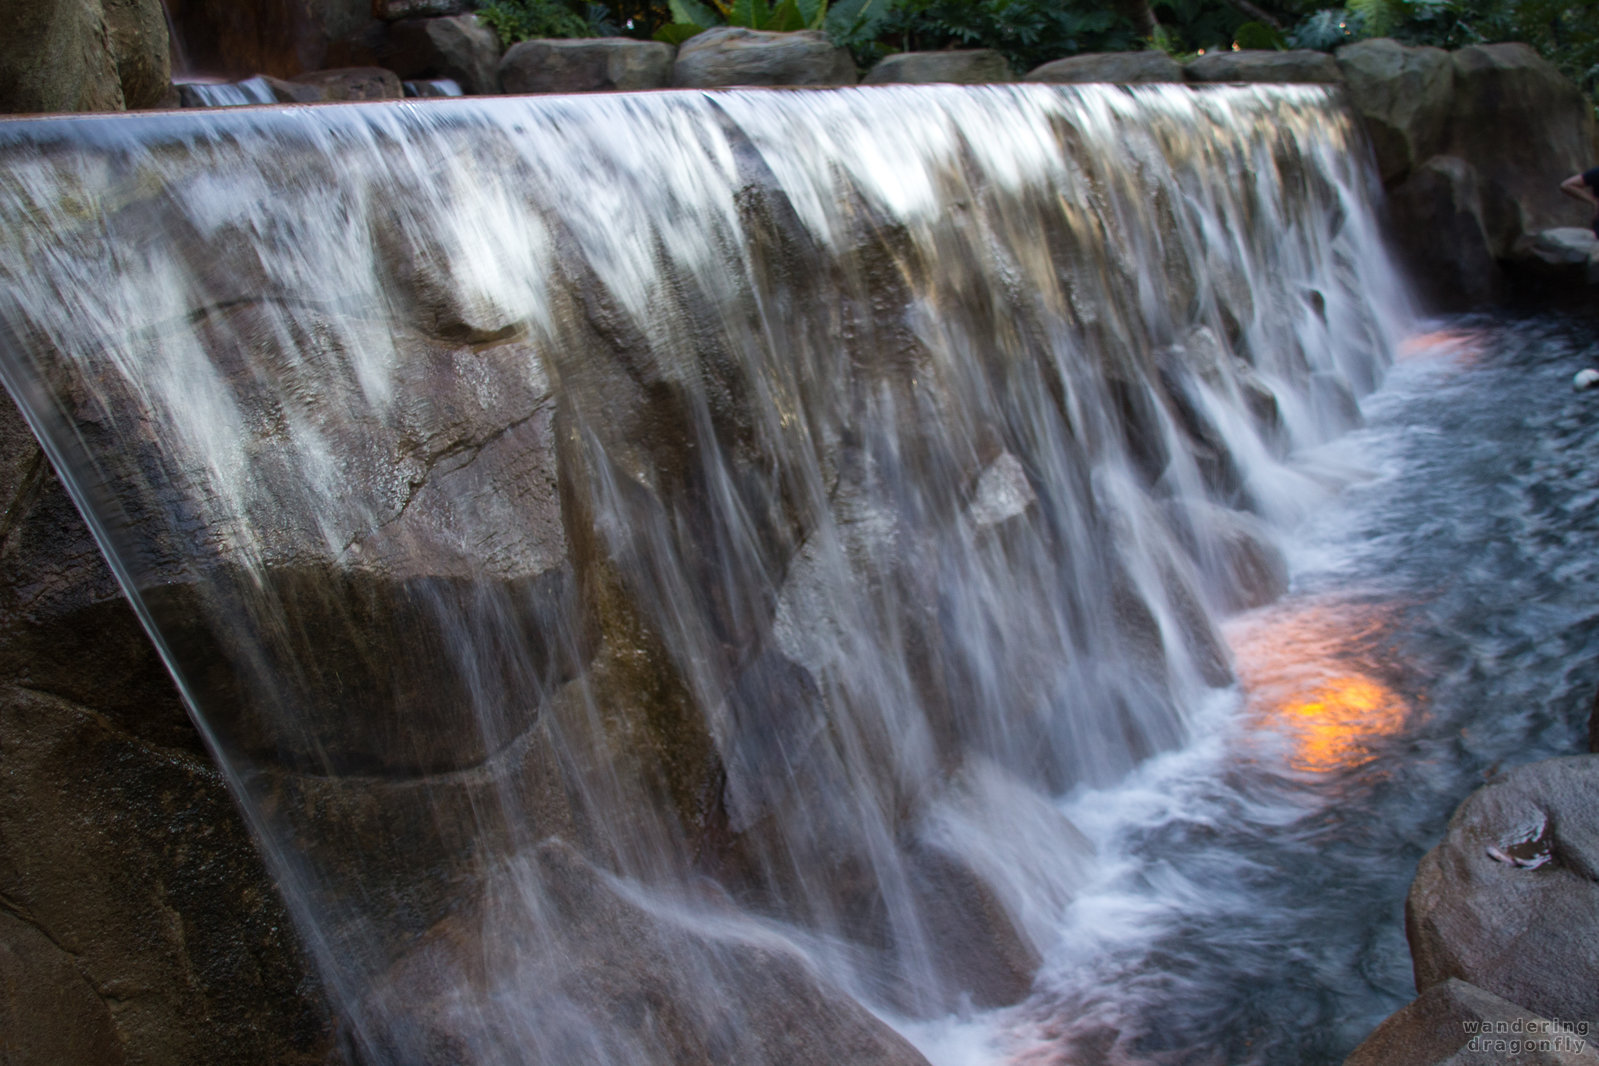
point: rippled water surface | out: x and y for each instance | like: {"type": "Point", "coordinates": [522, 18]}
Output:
{"type": "Point", "coordinates": [1442, 626]}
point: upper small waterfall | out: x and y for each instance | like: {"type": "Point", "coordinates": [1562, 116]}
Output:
{"type": "Point", "coordinates": [648, 562]}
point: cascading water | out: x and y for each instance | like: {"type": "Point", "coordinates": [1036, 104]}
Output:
{"type": "Point", "coordinates": [648, 564]}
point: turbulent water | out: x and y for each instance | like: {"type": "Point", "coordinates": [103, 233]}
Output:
{"type": "Point", "coordinates": [1441, 629]}
{"type": "Point", "coordinates": [653, 566]}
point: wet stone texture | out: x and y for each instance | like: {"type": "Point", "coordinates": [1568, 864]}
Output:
{"type": "Point", "coordinates": [136, 922]}
{"type": "Point", "coordinates": [1509, 900]}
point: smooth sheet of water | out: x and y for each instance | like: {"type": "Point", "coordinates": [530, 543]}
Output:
{"type": "Point", "coordinates": [1442, 627]}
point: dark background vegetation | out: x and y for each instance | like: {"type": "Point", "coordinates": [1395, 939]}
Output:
{"type": "Point", "coordinates": [1031, 32]}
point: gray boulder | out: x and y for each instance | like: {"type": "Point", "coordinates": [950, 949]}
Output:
{"type": "Point", "coordinates": [461, 48]}
{"type": "Point", "coordinates": [1151, 65]}
{"type": "Point", "coordinates": [729, 55]}
{"type": "Point", "coordinates": [1509, 899]}
{"type": "Point", "coordinates": [1524, 127]}
{"type": "Point", "coordinates": [1259, 64]}
{"type": "Point", "coordinates": [586, 65]}
{"type": "Point", "coordinates": [974, 66]}
{"type": "Point", "coordinates": [354, 83]}
{"type": "Point", "coordinates": [1456, 1023]}
{"type": "Point", "coordinates": [1439, 230]}
{"type": "Point", "coordinates": [1404, 96]}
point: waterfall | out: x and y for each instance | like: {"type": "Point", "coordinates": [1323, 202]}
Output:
{"type": "Point", "coordinates": [648, 564]}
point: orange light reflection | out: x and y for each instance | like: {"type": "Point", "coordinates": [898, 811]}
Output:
{"type": "Point", "coordinates": [1307, 677]}
{"type": "Point", "coordinates": [1464, 346]}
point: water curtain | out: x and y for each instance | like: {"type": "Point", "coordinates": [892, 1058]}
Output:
{"type": "Point", "coordinates": [647, 563]}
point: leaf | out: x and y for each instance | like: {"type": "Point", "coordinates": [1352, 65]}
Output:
{"type": "Point", "coordinates": [677, 32]}
{"type": "Point", "coordinates": [1258, 35]}
{"type": "Point", "coordinates": [786, 18]}
{"type": "Point", "coordinates": [753, 14]}
{"type": "Point", "coordinates": [855, 20]}
{"type": "Point", "coordinates": [813, 13]}
{"type": "Point", "coordinates": [693, 13]}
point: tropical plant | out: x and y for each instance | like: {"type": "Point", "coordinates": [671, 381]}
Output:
{"type": "Point", "coordinates": [524, 20]}
{"type": "Point", "coordinates": [1028, 32]}
{"type": "Point", "coordinates": [846, 21]}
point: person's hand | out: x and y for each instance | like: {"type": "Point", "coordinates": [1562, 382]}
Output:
{"type": "Point", "coordinates": [1575, 187]}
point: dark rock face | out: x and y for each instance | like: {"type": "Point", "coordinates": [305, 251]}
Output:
{"type": "Point", "coordinates": [1455, 1023]}
{"type": "Point", "coordinates": [1509, 900]}
{"type": "Point", "coordinates": [1299, 65]}
{"type": "Point", "coordinates": [1439, 230]}
{"type": "Point", "coordinates": [969, 67]}
{"type": "Point", "coordinates": [278, 37]}
{"type": "Point", "coordinates": [1404, 96]}
{"type": "Point", "coordinates": [139, 925]}
{"type": "Point", "coordinates": [1116, 67]}
{"type": "Point", "coordinates": [354, 83]}
{"type": "Point", "coordinates": [410, 9]}
{"type": "Point", "coordinates": [461, 48]}
{"type": "Point", "coordinates": [729, 55]}
{"type": "Point", "coordinates": [586, 65]}
{"type": "Point", "coordinates": [84, 55]}
{"type": "Point", "coordinates": [665, 990]}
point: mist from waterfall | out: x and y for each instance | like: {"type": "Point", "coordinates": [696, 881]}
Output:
{"type": "Point", "coordinates": [650, 565]}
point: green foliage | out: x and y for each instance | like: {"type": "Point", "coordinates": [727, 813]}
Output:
{"type": "Point", "coordinates": [525, 20]}
{"type": "Point", "coordinates": [779, 16]}
{"type": "Point", "coordinates": [1566, 32]}
{"type": "Point", "coordinates": [1028, 32]}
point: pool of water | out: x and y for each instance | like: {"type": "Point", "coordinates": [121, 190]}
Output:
{"type": "Point", "coordinates": [1443, 624]}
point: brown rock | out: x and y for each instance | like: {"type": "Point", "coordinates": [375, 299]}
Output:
{"type": "Point", "coordinates": [586, 65]}
{"type": "Point", "coordinates": [1509, 899]}
{"type": "Point", "coordinates": [1151, 65]}
{"type": "Point", "coordinates": [975, 66]}
{"type": "Point", "coordinates": [1404, 96]}
{"type": "Point", "coordinates": [236, 38]}
{"type": "Point", "coordinates": [729, 55]}
{"type": "Point", "coordinates": [650, 983]}
{"type": "Point", "coordinates": [354, 83]}
{"type": "Point", "coordinates": [1459, 1024]}
{"type": "Point", "coordinates": [84, 55]}
{"type": "Point", "coordinates": [1258, 64]}
{"type": "Point", "coordinates": [139, 925]}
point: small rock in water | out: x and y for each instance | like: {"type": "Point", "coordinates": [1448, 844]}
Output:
{"type": "Point", "coordinates": [1585, 379]}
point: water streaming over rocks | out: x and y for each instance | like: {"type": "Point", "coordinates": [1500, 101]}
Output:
{"type": "Point", "coordinates": [650, 563]}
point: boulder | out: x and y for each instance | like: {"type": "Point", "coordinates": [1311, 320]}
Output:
{"type": "Point", "coordinates": [459, 47]}
{"type": "Point", "coordinates": [1259, 64]}
{"type": "Point", "coordinates": [1456, 1023]}
{"type": "Point", "coordinates": [604, 973]}
{"type": "Point", "coordinates": [1439, 232]}
{"type": "Point", "coordinates": [1126, 68]}
{"type": "Point", "coordinates": [974, 66]}
{"type": "Point", "coordinates": [1563, 259]}
{"type": "Point", "coordinates": [586, 65]}
{"type": "Point", "coordinates": [729, 55]}
{"type": "Point", "coordinates": [1404, 96]}
{"type": "Point", "coordinates": [1509, 899]}
{"type": "Point", "coordinates": [84, 55]}
{"type": "Point", "coordinates": [1525, 128]}
{"type": "Point", "coordinates": [354, 83]}
{"type": "Point", "coordinates": [389, 10]}
{"type": "Point", "coordinates": [138, 36]}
